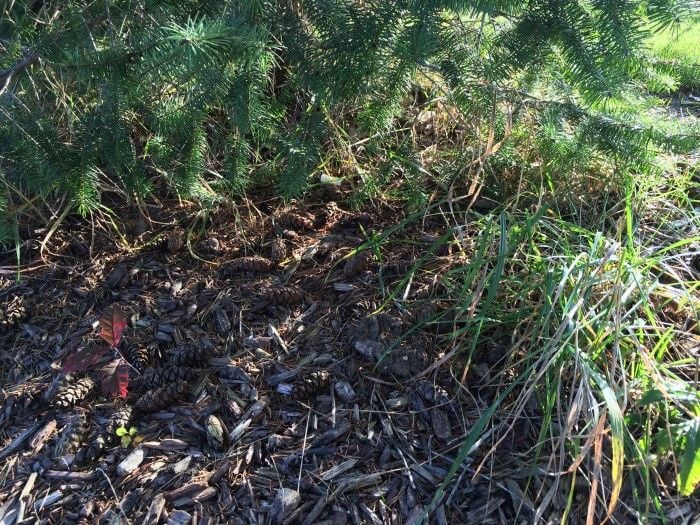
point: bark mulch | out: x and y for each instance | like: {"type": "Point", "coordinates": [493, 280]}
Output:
{"type": "Point", "coordinates": [273, 379]}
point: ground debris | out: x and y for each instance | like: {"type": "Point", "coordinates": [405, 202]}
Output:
{"type": "Point", "coordinates": [162, 397]}
{"type": "Point", "coordinates": [260, 392]}
{"type": "Point", "coordinates": [281, 295]}
{"type": "Point", "coordinates": [131, 462]}
{"type": "Point", "coordinates": [74, 391]}
{"type": "Point", "coordinates": [246, 264]}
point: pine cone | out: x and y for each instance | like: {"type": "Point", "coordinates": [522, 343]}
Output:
{"type": "Point", "coordinates": [354, 222]}
{"type": "Point", "coordinates": [210, 246]}
{"type": "Point", "coordinates": [72, 435]}
{"type": "Point", "coordinates": [190, 354]}
{"type": "Point", "coordinates": [154, 377]}
{"type": "Point", "coordinates": [294, 221]}
{"type": "Point", "coordinates": [247, 264]}
{"type": "Point", "coordinates": [328, 215]}
{"type": "Point", "coordinates": [139, 356]}
{"type": "Point", "coordinates": [162, 397]}
{"type": "Point", "coordinates": [120, 418]}
{"type": "Point", "coordinates": [278, 250]}
{"type": "Point", "coordinates": [174, 241]}
{"type": "Point", "coordinates": [307, 387]}
{"type": "Point", "coordinates": [12, 312]}
{"type": "Point", "coordinates": [357, 263]}
{"type": "Point", "coordinates": [282, 295]}
{"type": "Point", "coordinates": [73, 392]}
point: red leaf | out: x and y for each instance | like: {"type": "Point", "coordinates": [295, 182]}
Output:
{"type": "Point", "coordinates": [112, 325]}
{"type": "Point", "coordinates": [85, 358]}
{"type": "Point", "coordinates": [115, 378]}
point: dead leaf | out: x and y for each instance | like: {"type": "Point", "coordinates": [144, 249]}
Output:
{"type": "Point", "coordinates": [85, 358]}
{"type": "Point", "coordinates": [112, 325]}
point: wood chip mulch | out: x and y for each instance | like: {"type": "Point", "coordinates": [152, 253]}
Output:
{"type": "Point", "coordinates": [272, 377]}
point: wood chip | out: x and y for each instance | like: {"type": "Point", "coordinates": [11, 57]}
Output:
{"type": "Point", "coordinates": [155, 510]}
{"type": "Point", "coordinates": [181, 466]}
{"type": "Point", "coordinates": [441, 424]}
{"type": "Point", "coordinates": [25, 496]}
{"type": "Point", "coordinates": [80, 477]}
{"type": "Point", "coordinates": [220, 472]}
{"type": "Point", "coordinates": [237, 432]}
{"type": "Point", "coordinates": [185, 490]}
{"type": "Point", "coordinates": [131, 462]}
{"type": "Point", "coordinates": [331, 435]}
{"type": "Point", "coordinates": [17, 442]}
{"type": "Point", "coordinates": [48, 500]}
{"type": "Point", "coordinates": [338, 469]}
{"type": "Point", "coordinates": [416, 516]}
{"type": "Point", "coordinates": [37, 442]}
{"type": "Point", "coordinates": [202, 495]}
{"type": "Point", "coordinates": [179, 517]}
{"type": "Point", "coordinates": [275, 335]}
{"type": "Point", "coordinates": [286, 501]}
{"type": "Point", "coordinates": [166, 444]}
{"type": "Point", "coordinates": [369, 349]}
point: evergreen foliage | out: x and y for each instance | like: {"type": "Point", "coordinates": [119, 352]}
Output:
{"type": "Point", "coordinates": [191, 96]}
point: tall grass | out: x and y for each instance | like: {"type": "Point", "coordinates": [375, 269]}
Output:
{"type": "Point", "coordinates": [599, 367]}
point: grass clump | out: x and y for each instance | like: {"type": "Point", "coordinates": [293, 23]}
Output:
{"type": "Point", "coordinates": [581, 346]}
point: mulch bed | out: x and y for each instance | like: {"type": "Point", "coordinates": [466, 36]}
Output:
{"type": "Point", "coordinates": [262, 389]}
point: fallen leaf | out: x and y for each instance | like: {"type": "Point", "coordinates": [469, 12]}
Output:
{"type": "Point", "coordinates": [115, 378]}
{"type": "Point", "coordinates": [85, 358]}
{"type": "Point", "coordinates": [112, 325]}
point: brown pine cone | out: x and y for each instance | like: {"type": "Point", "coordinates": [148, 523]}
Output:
{"type": "Point", "coordinates": [121, 418]}
{"type": "Point", "coordinates": [71, 436]}
{"type": "Point", "coordinates": [154, 377]}
{"type": "Point", "coordinates": [174, 241]}
{"type": "Point", "coordinates": [357, 263]}
{"type": "Point", "coordinates": [162, 397]}
{"type": "Point", "coordinates": [282, 295]}
{"type": "Point", "coordinates": [294, 221]}
{"type": "Point", "coordinates": [307, 387]}
{"type": "Point", "coordinates": [12, 311]}
{"type": "Point", "coordinates": [139, 356]}
{"type": "Point", "coordinates": [278, 250]}
{"type": "Point", "coordinates": [247, 264]}
{"type": "Point", "coordinates": [190, 354]}
{"type": "Point", "coordinates": [73, 392]}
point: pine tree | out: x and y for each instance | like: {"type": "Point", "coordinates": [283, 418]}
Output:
{"type": "Point", "coordinates": [202, 96]}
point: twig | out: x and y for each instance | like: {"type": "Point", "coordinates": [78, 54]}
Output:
{"type": "Point", "coordinates": [7, 74]}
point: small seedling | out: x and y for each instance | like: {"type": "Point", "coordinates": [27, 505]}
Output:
{"type": "Point", "coordinates": [128, 436]}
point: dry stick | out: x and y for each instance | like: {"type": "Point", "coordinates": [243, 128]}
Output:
{"type": "Point", "coordinates": [20, 66]}
{"type": "Point", "coordinates": [303, 448]}
{"type": "Point", "coordinates": [53, 229]}
{"type": "Point", "coordinates": [114, 492]}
